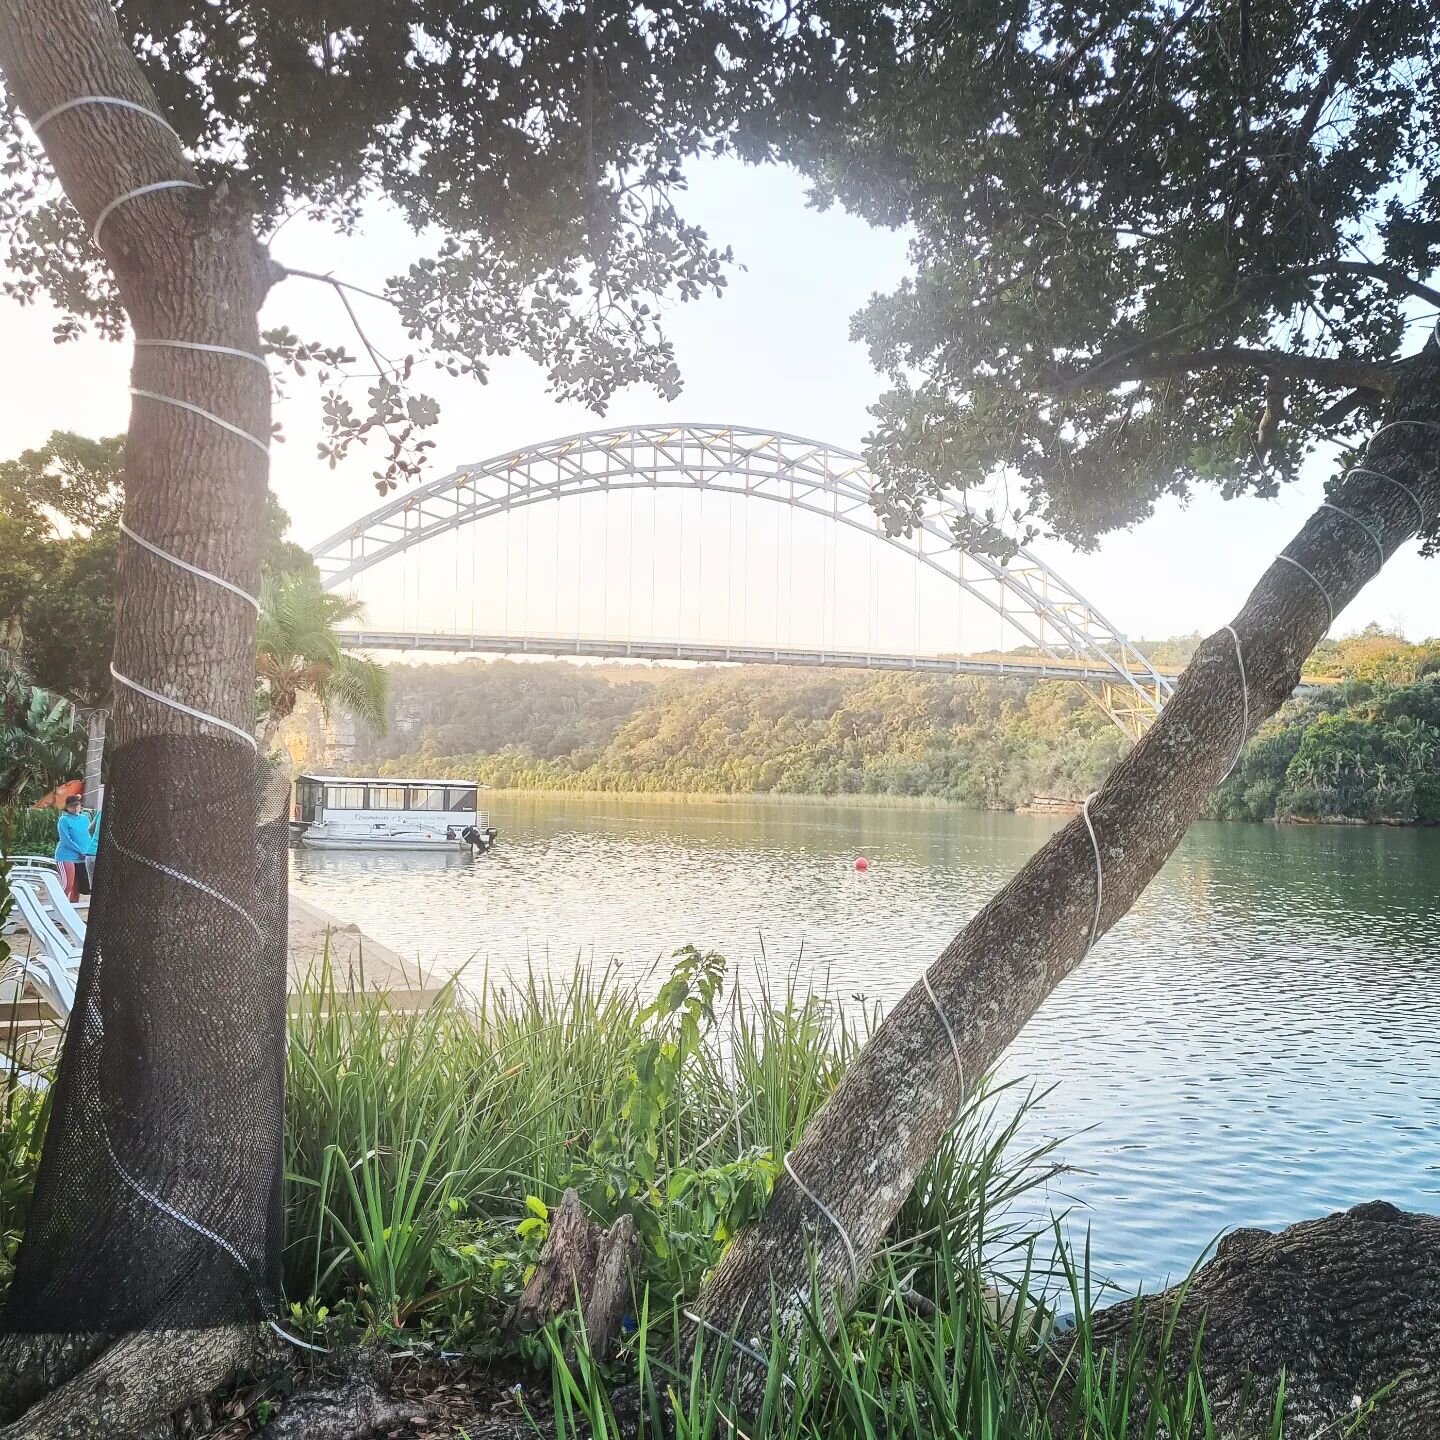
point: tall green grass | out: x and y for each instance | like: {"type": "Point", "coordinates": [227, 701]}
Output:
{"type": "Point", "coordinates": [419, 1144]}
{"type": "Point", "coordinates": [425, 1149]}
{"type": "Point", "coordinates": [959, 1371]}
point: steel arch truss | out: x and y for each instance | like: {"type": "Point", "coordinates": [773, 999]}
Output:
{"type": "Point", "coordinates": [765, 465]}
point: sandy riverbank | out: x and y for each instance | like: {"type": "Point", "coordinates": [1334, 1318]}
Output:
{"type": "Point", "coordinates": [359, 960]}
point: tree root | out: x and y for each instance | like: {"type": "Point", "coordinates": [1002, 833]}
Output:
{"type": "Point", "coordinates": [131, 1387]}
{"type": "Point", "coordinates": [31, 1366]}
{"type": "Point", "coordinates": [354, 1403]}
{"type": "Point", "coordinates": [1345, 1310]}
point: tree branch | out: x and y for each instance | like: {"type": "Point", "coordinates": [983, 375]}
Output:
{"type": "Point", "coordinates": [1354, 374]}
{"type": "Point", "coordinates": [285, 271]}
{"type": "Point", "coordinates": [1249, 289]}
{"type": "Point", "coordinates": [1396, 281]}
{"type": "Point", "coordinates": [1344, 407]}
{"type": "Point", "coordinates": [383, 364]}
{"type": "Point", "coordinates": [1340, 62]}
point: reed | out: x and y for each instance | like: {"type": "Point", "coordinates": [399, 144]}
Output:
{"type": "Point", "coordinates": [425, 1149]}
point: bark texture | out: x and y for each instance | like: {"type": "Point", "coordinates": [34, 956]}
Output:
{"type": "Point", "coordinates": [581, 1261]}
{"type": "Point", "coordinates": [1345, 1309]}
{"type": "Point", "coordinates": [187, 269]}
{"type": "Point", "coordinates": [33, 1365]}
{"type": "Point", "coordinates": [137, 1382]}
{"type": "Point", "coordinates": [353, 1402]}
{"type": "Point", "coordinates": [862, 1152]}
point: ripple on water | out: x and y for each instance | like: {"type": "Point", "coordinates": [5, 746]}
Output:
{"type": "Point", "coordinates": [1252, 1045]}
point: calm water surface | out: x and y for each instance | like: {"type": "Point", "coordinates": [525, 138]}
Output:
{"type": "Point", "coordinates": [1258, 1042]}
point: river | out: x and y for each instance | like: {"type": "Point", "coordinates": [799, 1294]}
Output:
{"type": "Point", "coordinates": [1258, 1042]}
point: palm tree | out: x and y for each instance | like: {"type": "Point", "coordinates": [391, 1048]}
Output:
{"type": "Point", "coordinates": [298, 652]}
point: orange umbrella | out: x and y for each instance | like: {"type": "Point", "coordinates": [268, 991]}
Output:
{"type": "Point", "coordinates": [58, 796]}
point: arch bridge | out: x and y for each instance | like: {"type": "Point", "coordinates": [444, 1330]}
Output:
{"type": "Point", "coordinates": [1073, 640]}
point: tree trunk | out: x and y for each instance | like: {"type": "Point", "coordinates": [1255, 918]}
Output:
{"type": "Point", "coordinates": [95, 722]}
{"type": "Point", "coordinates": [167, 1105]}
{"type": "Point", "coordinates": [1338, 1309]}
{"type": "Point", "coordinates": [189, 269]}
{"type": "Point", "coordinates": [581, 1263]}
{"type": "Point", "coordinates": [861, 1153]}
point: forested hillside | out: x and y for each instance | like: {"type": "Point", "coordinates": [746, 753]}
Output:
{"type": "Point", "coordinates": [1368, 748]}
{"type": "Point", "coordinates": [750, 730]}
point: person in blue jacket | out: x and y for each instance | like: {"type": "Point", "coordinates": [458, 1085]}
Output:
{"type": "Point", "coordinates": [74, 841]}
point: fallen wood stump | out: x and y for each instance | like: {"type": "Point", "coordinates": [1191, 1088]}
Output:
{"type": "Point", "coordinates": [581, 1264]}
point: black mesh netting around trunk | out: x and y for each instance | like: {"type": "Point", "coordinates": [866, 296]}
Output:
{"type": "Point", "coordinates": [158, 1199]}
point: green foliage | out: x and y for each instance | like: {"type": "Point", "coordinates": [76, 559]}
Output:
{"type": "Point", "coordinates": [71, 483]}
{"type": "Point", "coordinates": [298, 652]}
{"type": "Point", "coordinates": [29, 831]}
{"type": "Point", "coordinates": [748, 731]}
{"type": "Point", "coordinates": [569, 123]}
{"type": "Point", "coordinates": [1375, 654]}
{"type": "Point", "coordinates": [59, 509]}
{"type": "Point", "coordinates": [975, 742]}
{"type": "Point", "coordinates": [1126, 217]}
{"type": "Point", "coordinates": [1369, 751]}
{"type": "Point", "coordinates": [22, 1109]}
{"type": "Point", "coordinates": [425, 1149]}
{"type": "Point", "coordinates": [40, 744]}
{"type": "Point", "coordinates": [552, 710]}
{"type": "Point", "coordinates": [963, 1366]}
{"type": "Point", "coordinates": [59, 512]}
{"type": "Point", "coordinates": [684, 1209]}
{"type": "Point", "coordinates": [22, 1128]}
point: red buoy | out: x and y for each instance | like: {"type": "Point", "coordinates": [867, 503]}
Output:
{"type": "Point", "coordinates": [862, 864]}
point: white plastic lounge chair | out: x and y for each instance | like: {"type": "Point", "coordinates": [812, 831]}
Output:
{"type": "Point", "coordinates": [54, 966]}
{"type": "Point", "coordinates": [38, 975]}
{"type": "Point", "coordinates": [62, 910]}
{"type": "Point", "coordinates": [28, 864]}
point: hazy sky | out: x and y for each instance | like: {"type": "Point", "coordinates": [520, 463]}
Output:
{"type": "Point", "coordinates": [773, 352]}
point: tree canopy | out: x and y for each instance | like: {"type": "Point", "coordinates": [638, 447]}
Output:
{"type": "Point", "coordinates": [59, 515]}
{"type": "Point", "coordinates": [536, 150]}
{"type": "Point", "coordinates": [1156, 245]}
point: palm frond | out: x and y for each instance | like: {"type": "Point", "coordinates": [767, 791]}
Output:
{"type": "Point", "coordinates": [360, 686]}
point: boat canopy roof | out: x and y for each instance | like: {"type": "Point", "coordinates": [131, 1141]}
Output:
{"type": "Point", "coordinates": [387, 780]}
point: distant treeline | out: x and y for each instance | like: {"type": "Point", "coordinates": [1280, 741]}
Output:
{"type": "Point", "coordinates": [744, 731]}
{"type": "Point", "coordinates": [1368, 749]}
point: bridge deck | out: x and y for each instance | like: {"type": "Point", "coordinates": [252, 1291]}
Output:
{"type": "Point", "coordinates": [592, 647]}
{"type": "Point", "coordinates": [1030, 667]}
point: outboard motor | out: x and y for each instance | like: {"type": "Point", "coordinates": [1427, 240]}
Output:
{"type": "Point", "coordinates": [479, 840]}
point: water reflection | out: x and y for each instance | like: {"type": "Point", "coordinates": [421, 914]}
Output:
{"type": "Point", "coordinates": [1252, 1044]}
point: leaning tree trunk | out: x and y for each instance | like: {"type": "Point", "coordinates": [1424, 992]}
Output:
{"type": "Point", "coordinates": [861, 1153]}
{"type": "Point", "coordinates": [156, 1207]}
